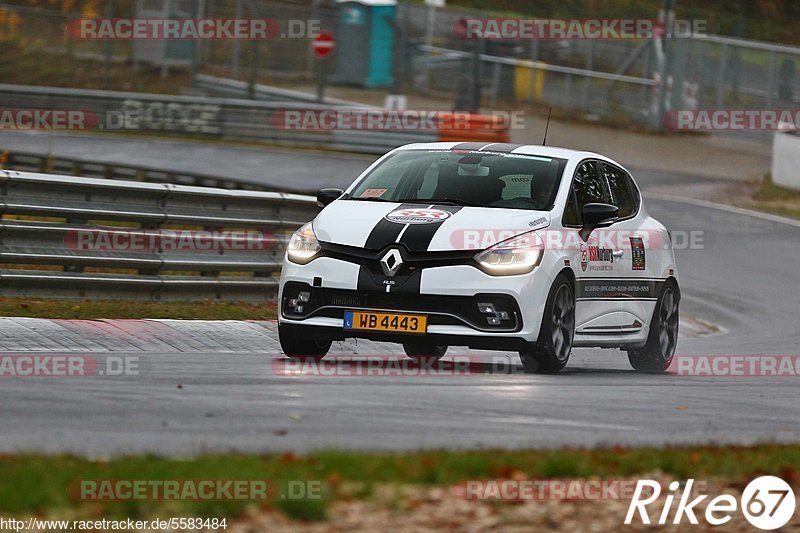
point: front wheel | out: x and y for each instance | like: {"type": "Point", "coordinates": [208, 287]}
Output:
{"type": "Point", "coordinates": [551, 351]}
{"type": "Point", "coordinates": [300, 342]}
{"type": "Point", "coordinates": [656, 356]}
{"type": "Point", "coordinates": [424, 351]}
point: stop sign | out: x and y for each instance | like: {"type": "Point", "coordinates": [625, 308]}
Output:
{"type": "Point", "coordinates": [323, 44]}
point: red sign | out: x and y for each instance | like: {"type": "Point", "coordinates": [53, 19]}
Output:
{"type": "Point", "coordinates": [323, 44]}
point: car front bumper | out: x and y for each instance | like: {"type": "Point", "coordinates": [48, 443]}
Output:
{"type": "Point", "coordinates": [448, 295]}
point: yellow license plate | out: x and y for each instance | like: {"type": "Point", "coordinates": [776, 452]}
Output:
{"type": "Point", "coordinates": [394, 322]}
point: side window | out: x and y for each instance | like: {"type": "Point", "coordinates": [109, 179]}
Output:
{"type": "Point", "coordinates": [588, 185]}
{"type": "Point", "coordinates": [623, 193]}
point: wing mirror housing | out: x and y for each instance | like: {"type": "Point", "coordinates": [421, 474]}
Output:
{"type": "Point", "coordinates": [597, 215]}
{"type": "Point", "coordinates": [326, 196]}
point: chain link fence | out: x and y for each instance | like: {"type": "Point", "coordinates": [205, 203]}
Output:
{"type": "Point", "coordinates": [606, 79]}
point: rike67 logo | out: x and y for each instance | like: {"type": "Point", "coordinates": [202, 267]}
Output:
{"type": "Point", "coordinates": [767, 503]}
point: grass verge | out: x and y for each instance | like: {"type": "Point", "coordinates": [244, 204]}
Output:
{"type": "Point", "coordinates": [776, 199]}
{"type": "Point", "coordinates": [34, 484]}
{"type": "Point", "coordinates": [95, 309]}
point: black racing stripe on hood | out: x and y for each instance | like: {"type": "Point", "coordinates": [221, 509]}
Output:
{"type": "Point", "coordinates": [502, 147]}
{"type": "Point", "coordinates": [382, 234]}
{"type": "Point", "coordinates": [385, 232]}
{"type": "Point", "coordinates": [418, 237]}
{"type": "Point", "coordinates": [469, 146]}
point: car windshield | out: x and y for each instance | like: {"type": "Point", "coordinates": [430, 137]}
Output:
{"type": "Point", "coordinates": [481, 179]}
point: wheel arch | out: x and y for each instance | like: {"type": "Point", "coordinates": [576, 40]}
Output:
{"type": "Point", "coordinates": [674, 282]}
{"type": "Point", "coordinates": [569, 274]}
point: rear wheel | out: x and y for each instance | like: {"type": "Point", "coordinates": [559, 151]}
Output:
{"type": "Point", "coordinates": [551, 351]}
{"type": "Point", "coordinates": [425, 352]}
{"type": "Point", "coordinates": [301, 342]}
{"type": "Point", "coordinates": [656, 356]}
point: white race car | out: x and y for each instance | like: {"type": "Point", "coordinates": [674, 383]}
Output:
{"type": "Point", "coordinates": [502, 247]}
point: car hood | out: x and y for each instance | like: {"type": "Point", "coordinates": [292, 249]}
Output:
{"type": "Point", "coordinates": [422, 227]}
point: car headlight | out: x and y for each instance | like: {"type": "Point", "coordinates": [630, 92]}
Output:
{"type": "Point", "coordinates": [303, 245]}
{"type": "Point", "coordinates": [517, 255]}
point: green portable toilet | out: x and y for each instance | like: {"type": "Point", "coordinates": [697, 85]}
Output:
{"type": "Point", "coordinates": [364, 42]}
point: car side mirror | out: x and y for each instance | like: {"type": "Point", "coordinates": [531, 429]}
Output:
{"type": "Point", "coordinates": [597, 215]}
{"type": "Point", "coordinates": [326, 196]}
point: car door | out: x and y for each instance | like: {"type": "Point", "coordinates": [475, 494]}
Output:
{"type": "Point", "coordinates": [640, 261]}
{"type": "Point", "coordinates": [598, 266]}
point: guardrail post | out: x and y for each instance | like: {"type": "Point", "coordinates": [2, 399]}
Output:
{"type": "Point", "coordinates": [75, 268]}
{"type": "Point", "coordinates": [212, 273]}
{"type": "Point", "coordinates": [771, 79]}
{"type": "Point", "coordinates": [721, 74]}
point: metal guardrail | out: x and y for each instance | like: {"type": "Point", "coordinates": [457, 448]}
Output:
{"type": "Point", "coordinates": [230, 88]}
{"type": "Point", "coordinates": [63, 236]}
{"type": "Point", "coordinates": [49, 164]}
{"type": "Point", "coordinates": [218, 118]}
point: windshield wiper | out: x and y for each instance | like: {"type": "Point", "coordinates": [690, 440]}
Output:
{"type": "Point", "coordinates": [428, 201]}
{"type": "Point", "coordinates": [445, 201]}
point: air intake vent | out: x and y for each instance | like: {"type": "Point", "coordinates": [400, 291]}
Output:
{"type": "Point", "coordinates": [346, 300]}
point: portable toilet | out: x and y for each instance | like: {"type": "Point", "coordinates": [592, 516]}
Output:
{"type": "Point", "coordinates": [364, 42]}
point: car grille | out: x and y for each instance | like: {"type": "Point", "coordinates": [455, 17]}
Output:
{"type": "Point", "coordinates": [442, 309]}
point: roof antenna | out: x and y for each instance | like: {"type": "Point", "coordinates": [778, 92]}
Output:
{"type": "Point", "coordinates": [547, 127]}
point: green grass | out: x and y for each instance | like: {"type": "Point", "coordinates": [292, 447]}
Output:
{"type": "Point", "coordinates": [92, 309]}
{"type": "Point", "coordinates": [776, 199]}
{"type": "Point", "coordinates": [38, 484]}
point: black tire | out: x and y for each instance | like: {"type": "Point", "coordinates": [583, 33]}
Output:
{"type": "Point", "coordinates": [656, 356]}
{"type": "Point", "coordinates": [300, 342]}
{"type": "Point", "coordinates": [550, 353]}
{"type": "Point", "coordinates": [424, 352]}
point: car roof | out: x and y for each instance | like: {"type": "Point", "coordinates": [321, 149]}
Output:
{"type": "Point", "coordinates": [525, 149]}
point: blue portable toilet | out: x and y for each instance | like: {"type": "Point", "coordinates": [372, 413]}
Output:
{"type": "Point", "coordinates": [364, 42]}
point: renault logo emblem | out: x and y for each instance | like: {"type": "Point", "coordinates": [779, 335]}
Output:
{"type": "Point", "coordinates": [391, 262]}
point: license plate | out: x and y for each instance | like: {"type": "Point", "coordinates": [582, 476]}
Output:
{"type": "Point", "coordinates": [394, 322]}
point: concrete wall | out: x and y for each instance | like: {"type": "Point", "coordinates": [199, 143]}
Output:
{"type": "Point", "coordinates": [786, 160]}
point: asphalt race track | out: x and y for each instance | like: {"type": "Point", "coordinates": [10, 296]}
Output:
{"type": "Point", "coordinates": [223, 386]}
{"type": "Point", "coordinates": [284, 170]}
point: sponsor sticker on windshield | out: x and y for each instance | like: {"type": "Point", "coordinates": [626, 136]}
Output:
{"type": "Point", "coordinates": [372, 193]}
